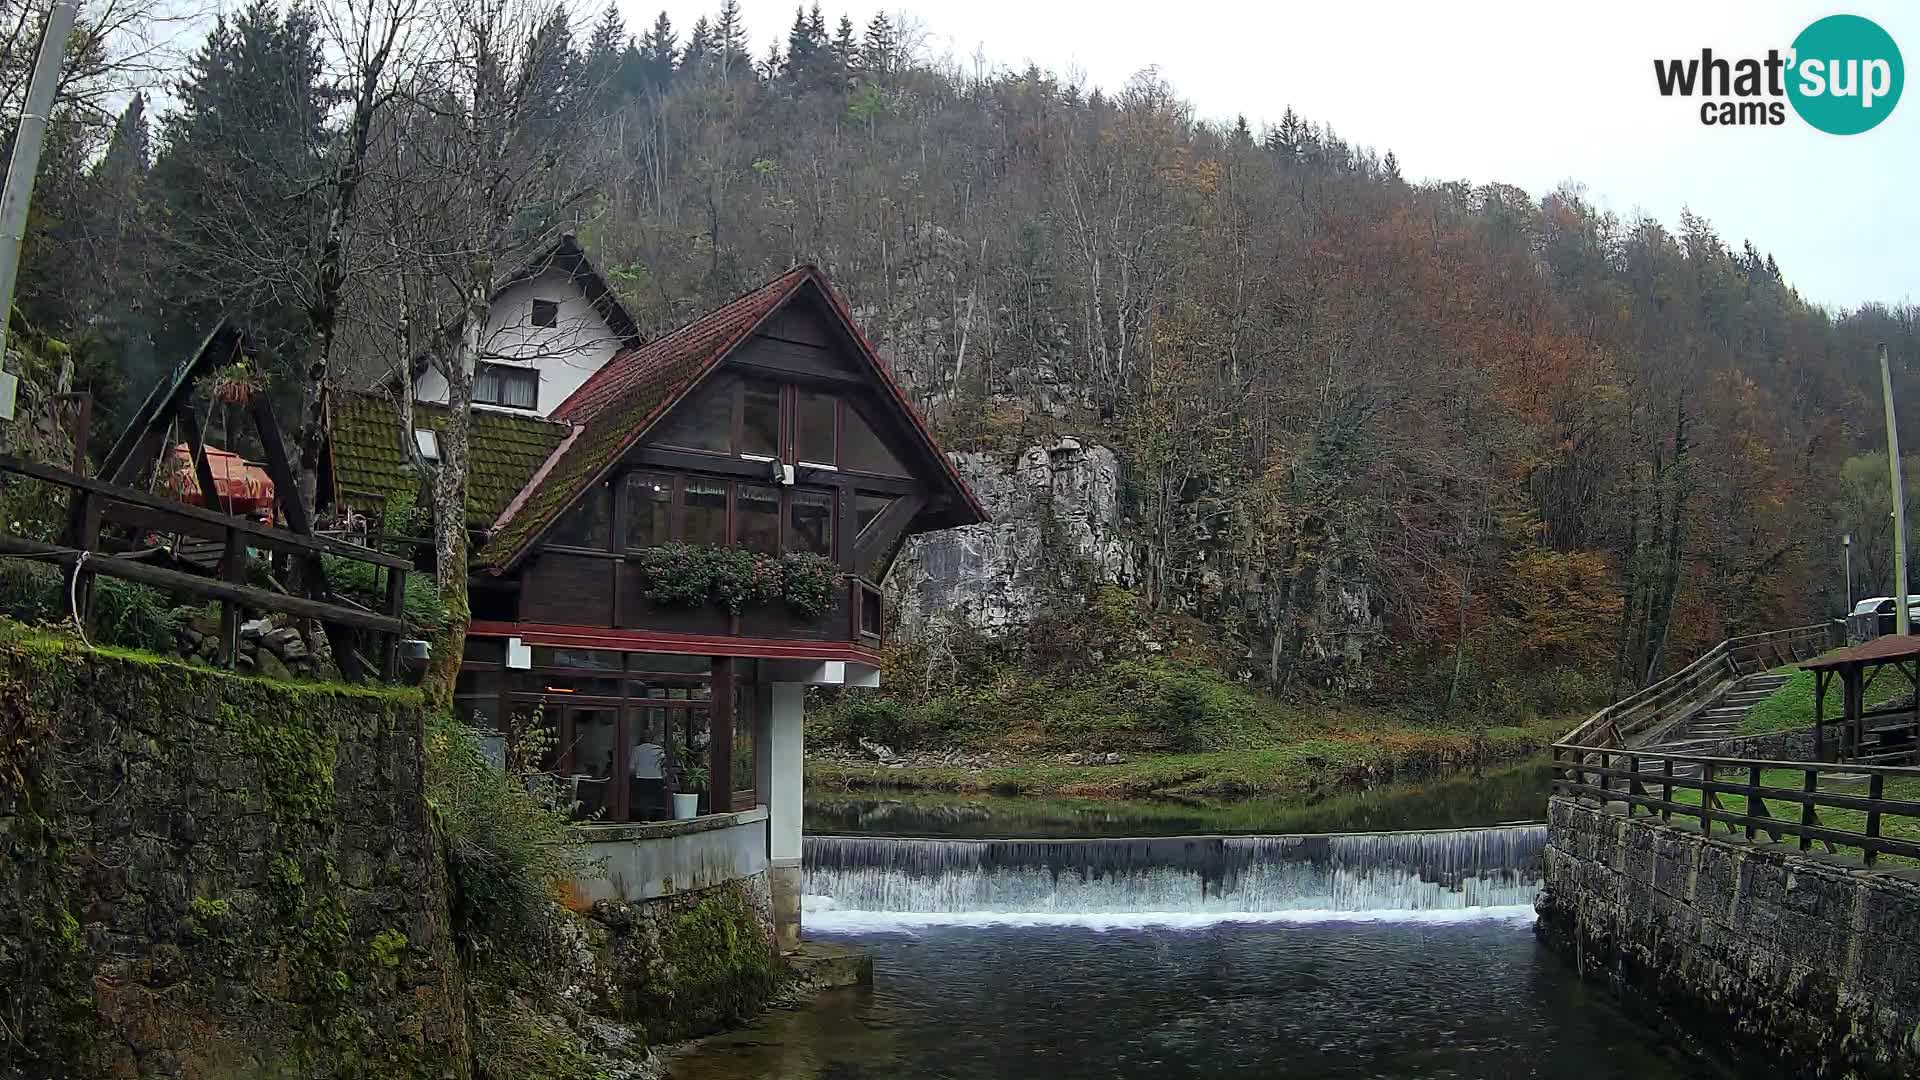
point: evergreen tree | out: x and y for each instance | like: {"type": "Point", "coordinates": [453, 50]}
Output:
{"type": "Point", "coordinates": [730, 39]}
{"type": "Point", "coordinates": [878, 51]}
{"type": "Point", "coordinates": [1393, 169]}
{"type": "Point", "coordinates": [800, 48]}
{"type": "Point", "coordinates": [699, 55]}
{"type": "Point", "coordinates": [558, 89]}
{"type": "Point", "coordinates": [601, 67]}
{"type": "Point", "coordinates": [1242, 134]}
{"type": "Point", "coordinates": [846, 50]}
{"type": "Point", "coordinates": [657, 53]}
{"type": "Point", "coordinates": [239, 181]}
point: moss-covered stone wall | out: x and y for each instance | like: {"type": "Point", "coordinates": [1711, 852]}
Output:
{"type": "Point", "coordinates": [203, 875]}
{"type": "Point", "coordinates": [691, 963]}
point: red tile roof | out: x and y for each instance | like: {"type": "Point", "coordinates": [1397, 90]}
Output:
{"type": "Point", "coordinates": [618, 403]}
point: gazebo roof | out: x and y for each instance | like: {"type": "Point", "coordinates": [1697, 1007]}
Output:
{"type": "Point", "coordinates": [1881, 650]}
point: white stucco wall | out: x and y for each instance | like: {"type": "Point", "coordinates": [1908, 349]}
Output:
{"type": "Point", "coordinates": [578, 344]}
{"type": "Point", "coordinates": [648, 861]}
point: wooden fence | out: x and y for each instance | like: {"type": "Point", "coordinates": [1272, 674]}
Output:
{"type": "Point", "coordinates": [92, 501]}
{"type": "Point", "coordinates": [1686, 690]}
{"type": "Point", "coordinates": [1647, 782]}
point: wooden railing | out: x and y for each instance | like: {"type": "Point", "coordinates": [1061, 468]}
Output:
{"type": "Point", "coordinates": [1673, 697]}
{"type": "Point", "coordinates": [91, 501]}
{"type": "Point", "coordinates": [1648, 782]}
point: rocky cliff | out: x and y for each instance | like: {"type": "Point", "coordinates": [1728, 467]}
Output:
{"type": "Point", "coordinates": [1057, 528]}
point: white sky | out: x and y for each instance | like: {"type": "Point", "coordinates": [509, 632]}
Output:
{"type": "Point", "coordinates": [1531, 94]}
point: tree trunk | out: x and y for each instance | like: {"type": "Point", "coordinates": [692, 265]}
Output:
{"type": "Point", "coordinates": [450, 493]}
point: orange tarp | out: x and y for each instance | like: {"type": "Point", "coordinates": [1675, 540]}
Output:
{"type": "Point", "coordinates": [242, 486]}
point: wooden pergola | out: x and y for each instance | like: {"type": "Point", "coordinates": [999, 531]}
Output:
{"type": "Point", "coordinates": [1857, 668]}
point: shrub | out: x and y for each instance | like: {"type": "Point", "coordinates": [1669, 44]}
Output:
{"type": "Point", "coordinates": [510, 839]}
{"type": "Point", "coordinates": [126, 614]}
{"type": "Point", "coordinates": [884, 720]}
{"type": "Point", "coordinates": [1186, 704]}
{"type": "Point", "coordinates": [133, 616]}
{"type": "Point", "coordinates": [689, 575]}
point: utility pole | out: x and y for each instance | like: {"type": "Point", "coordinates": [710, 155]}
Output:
{"type": "Point", "coordinates": [1901, 616]}
{"type": "Point", "coordinates": [31, 135]}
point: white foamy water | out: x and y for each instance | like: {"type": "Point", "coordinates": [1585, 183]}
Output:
{"type": "Point", "coordinates": [1459, 875]}
{"type": "Point", "coordinates": [824, 916]}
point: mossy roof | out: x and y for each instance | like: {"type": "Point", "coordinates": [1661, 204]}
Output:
{"type": "Point", "coordinates": [504, 451]}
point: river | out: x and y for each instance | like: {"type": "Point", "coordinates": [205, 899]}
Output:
{"type": "Point", "coordinates": [1404, 954]}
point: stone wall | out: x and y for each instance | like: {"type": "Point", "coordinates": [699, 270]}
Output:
{"type": "Point", "coordinates": [1793, 957]}
{"type": "Point", "coordinates": [203, 875]}
{"type": "Point", "coordinates": [690, 963]}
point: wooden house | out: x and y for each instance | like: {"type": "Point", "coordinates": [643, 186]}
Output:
{"type": "Point", "coordinates": [670, 551]}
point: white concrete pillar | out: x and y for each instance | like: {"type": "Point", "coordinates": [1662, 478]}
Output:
{"type": "Point", "coordinates": [786, 772]}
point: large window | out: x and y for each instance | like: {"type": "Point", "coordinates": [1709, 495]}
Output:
{"type": "Point", "coordinates": [506, 386]}
{"type": "Point", "coordinates": [815, 439]}
{"type": "Point", "coordinates": [587, 523]}
{"type": "Point", "coordinates": [649, 509]}
{"type": "Point", "coordinates": [812, 516]}
{"type": "Point", "coordinates": [704, 421]}
{"type": "Point", "coordinates": [757, 518]}
{"type": "Point", "coordinates": [706, 512]}
{"type": "Point", "coordinates": [863, 451]}
{"type": "Point", "coordinates": [760, 419]}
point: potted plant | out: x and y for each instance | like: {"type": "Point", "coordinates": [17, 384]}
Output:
{"type": "Point", "coordinates": [686, 801]}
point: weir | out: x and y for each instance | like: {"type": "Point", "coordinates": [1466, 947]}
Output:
{"type": "Point", "coordinates": [1454, 870]}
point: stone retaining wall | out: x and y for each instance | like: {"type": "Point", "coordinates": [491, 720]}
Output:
{"type": "Point", "coordinates": [208, 876]}
{"type": "Point", "coordinates": [1798, 957]}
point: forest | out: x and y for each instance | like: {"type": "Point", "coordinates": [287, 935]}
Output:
{"type": "Point", "coordinates": [1525, 435]}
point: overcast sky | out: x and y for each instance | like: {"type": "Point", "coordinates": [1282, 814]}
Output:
{"type": "Point", "coordinates": [1531, 94]}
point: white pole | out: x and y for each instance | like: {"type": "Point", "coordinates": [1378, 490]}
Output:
{"type": "Point", "coordinates": [1901, 616]}
{"type": "Point", "coordinates": [27, 142]}
{"type": "Point", "coordinates": [1846, 548]}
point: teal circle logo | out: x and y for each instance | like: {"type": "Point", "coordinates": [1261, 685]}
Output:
{"type": "Point", "coordinates": [1846, 74]}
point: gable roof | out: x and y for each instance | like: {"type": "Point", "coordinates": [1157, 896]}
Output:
{"type": "Point", "coordinates": [617, 405]}
{"type": "Point", "coordinates": [504, 451]}
{"type": "Point", "coordinates": [566, 256]}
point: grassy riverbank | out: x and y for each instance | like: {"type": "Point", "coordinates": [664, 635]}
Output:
{"type": "Point", "coordinates": [1342, 750]}
{"type": "Point", "coordinates": [1791, 706]}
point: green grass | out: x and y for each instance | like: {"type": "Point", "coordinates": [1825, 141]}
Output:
{"type": "Point", "coordinates": [1307, 765]}
{"type": "Point", "coordinates": [1791, 706]}
{"type": "Point", "coordinates": [1894, 827]}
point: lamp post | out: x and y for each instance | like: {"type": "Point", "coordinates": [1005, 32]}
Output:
{"type": "Point", "coordinates": [1846, 549]}
{"type": "Point", "coordinates": [1899, 503]}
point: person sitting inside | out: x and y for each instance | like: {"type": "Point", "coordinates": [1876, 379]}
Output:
{"type": "Point", "coordinates": [648, 793]}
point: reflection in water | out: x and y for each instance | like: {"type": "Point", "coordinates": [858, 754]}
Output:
{"type": "Point", "coordinates": [1463, 801]}
{"type": "Point", "coordinates": [1322, 1001]}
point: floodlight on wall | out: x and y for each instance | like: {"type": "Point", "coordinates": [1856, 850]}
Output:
{"type": "Point", "coordinates": [429, 443]}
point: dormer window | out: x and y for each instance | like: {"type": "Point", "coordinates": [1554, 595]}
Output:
{"type": "Point", "coordinates": [546, 312]}
{"type": "Point", "coordinates": [506, 386]}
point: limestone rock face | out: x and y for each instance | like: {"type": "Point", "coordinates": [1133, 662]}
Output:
{"type": "Point", "coordinates": [1056, 528]}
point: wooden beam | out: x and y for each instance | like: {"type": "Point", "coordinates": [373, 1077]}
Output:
{"type": "Point", "coordinates": [880, 537]}
{"type": "Point", "coordinates": [197, 451]}
{"type": "Point", "coordinates": [258, 535]}
{"type": "Point", "coordinates": [161, 578]}
{"type": "Point", "coordinates": [720, 738]}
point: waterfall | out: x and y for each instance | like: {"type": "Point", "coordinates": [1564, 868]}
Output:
{"type": "Point", "coordinates": [1176, 880]}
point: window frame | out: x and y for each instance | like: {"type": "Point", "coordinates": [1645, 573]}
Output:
{"type": "Point", "coordinates": [496, 369]}
{"type": "Point", "coordinates": [552, 309]}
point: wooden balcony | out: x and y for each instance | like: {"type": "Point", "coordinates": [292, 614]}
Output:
{"type": "Point", "coordinates": [587, 589]}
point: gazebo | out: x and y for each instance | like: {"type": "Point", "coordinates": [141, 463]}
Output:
{"type": "Point", "coordinates": [1857, 668]}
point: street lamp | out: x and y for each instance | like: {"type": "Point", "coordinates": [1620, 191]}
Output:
{"type": "Point", "coordinates": [1846, 548]}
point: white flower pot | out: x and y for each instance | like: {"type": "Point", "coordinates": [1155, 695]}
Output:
{"type": "Point", "coordinates": [686, 805]}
